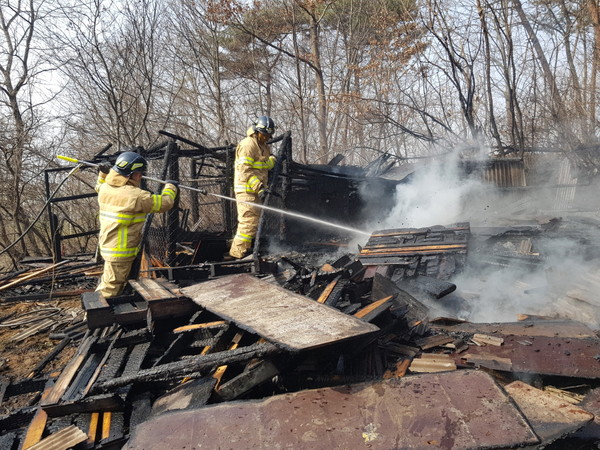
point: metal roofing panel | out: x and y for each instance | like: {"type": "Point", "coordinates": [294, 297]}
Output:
{"type": "Point", "coordinates": [452, 410]}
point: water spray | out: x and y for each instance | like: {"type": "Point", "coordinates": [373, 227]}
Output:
{"type": "Point", "coordinates": [231, 199]}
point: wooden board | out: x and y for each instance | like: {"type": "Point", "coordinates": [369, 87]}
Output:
{"type": "Point", "coordinates": [281, 316]}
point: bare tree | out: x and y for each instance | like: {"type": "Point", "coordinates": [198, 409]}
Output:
{"type": "Point", "coordinates": [20, 161]}
{"type": "Point", "coordinates": [110, 57]}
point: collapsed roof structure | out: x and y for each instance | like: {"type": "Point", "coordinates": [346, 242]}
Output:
{"type": "Point", "coordinates": [460, 318]}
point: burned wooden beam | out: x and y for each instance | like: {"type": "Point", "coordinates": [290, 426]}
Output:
{"type": "Point", "coordinates": [98, 312]}
{"type": "Point", "coordinates": [163, 298]}
{"type": "Point", "coordinates": [190, 366]}
{"type": "Point", "coordinates": [93, 403]}
{"type": "Point", "coordinates": [191, 394]}
{"type": "Point", "coordinates": [69, 372]}
{"type": "Point", "coordinates": [251, 377]}
{"type": "Point", "coordinates": [17, 419]}
{"type": "Point", "coordinates": [436, 251]}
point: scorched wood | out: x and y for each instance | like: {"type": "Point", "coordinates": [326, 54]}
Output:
{"type": "Point", "coordinates": [191, 365]}
{"type": "Point", "coordinates": [291, 320]}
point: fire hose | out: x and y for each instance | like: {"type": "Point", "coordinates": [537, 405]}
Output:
{"type": "Point", "coordinates": [256, 205]}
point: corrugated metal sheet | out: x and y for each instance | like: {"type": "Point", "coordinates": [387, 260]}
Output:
{"type": "Point", "coordinates": [565, 195]}
{"type": "Point", "coordinates": [505, 173]}
{"type": "Point", "coordinates": [452, 410]}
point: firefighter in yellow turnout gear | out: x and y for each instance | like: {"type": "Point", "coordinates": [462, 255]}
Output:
{"type": "Point", "coordinates": [123, 210]}
{"type": "Point", "coordinates": [253, 160]}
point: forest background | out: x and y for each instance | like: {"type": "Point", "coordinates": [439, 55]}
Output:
{"type": "Point", "coordinates": [412, 78]}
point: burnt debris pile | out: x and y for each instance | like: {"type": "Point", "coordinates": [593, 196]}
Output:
{"type": "Point", "coordinates": [369, 349]}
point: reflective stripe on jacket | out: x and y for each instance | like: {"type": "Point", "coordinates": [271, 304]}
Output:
{"type": "Point", "coordinates": [252, 164]}
{"type": "Point", "coordinates": [123, 210]}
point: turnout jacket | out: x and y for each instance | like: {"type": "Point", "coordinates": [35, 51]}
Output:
{"type": "Point", "coordinates": [123, 210]}
{"type": "Point", "coordinates": [252, 164]}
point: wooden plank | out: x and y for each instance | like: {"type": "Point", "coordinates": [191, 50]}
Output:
{"type": "Point", "coordinates": [323, 297]}
{"type": "Point", "coordinates": [38, 423]}
{"type": "Point", "coordinates": [291, 320]}
{"type": "Point", "coordinates": [69, 372]}
{"type": "Point", "coordinates": [66, 438]}
{"type": "Point", "coordinates": [399, 370]}
{"type": "Point", "coordinates": [379, 305]}
{"type": "Point", "coordinates": [199, 326]}
{"type": "Point", "coordinates": [98, 312]}
{"type": "Point", "coordinates": [106, 419]}
{"type": "Point", "coordinates": [126, 313]}
{"type": "Point", "coordinates": [35, 328]}
{"type": "Point", "coordinates": [253, 376]}
{"type": "Point", "coordinates": [455, 228]}
{"type": "Point", "coordinates": [487, 339]}
{"type": "Point", "coordinates": [93, 429]}
{"type": "Point", "coordinates": [151, 290]}
{"type": "Point", "coordinates": [90, 404]}
{"type": "Point", "coordinates": [140, 289]}
{"type": "Point", "coordinates": [432, 363]}
{"type": "Point", "coordinates": [429, 249]}
{"type": "Point", "coordinates": [32, 275]}
{"type": "Point", "coordinates": [433, 341]}
{"type": "Point", "coordinates": [235, 342]}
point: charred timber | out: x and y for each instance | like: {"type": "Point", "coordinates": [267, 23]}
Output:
{"type": "Point", "coordinates": [199, 363]}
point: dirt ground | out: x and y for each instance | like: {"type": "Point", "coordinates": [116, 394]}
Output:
{"type": "Point", "coordinates": [18, 359]}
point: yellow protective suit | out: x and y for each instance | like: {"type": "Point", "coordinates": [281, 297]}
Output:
{"type": "Point", "coordinates": [252, 164]}
{"type": "Point", "coordinates": [123, 210]}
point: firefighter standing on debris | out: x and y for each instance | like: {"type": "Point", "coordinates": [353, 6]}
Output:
{"type": "Point", "coordinates": [123, 210]}
{"type": "Point", "coordinates": [253, 160]}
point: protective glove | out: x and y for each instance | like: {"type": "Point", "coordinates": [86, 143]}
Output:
{"type": "Point", "coordinates": [104, 167]}
{"type": "Point", "coordinates": [262, 194]}
{"type": "Point", "coordinates": [173, 182]}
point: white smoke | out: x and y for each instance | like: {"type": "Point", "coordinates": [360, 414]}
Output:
{"type": "Point", "coordinates": [440, 193]}
{"type": "Point", "coordinates": [435, 196]}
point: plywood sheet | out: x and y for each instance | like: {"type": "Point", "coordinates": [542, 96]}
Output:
{"type": "Point", "coordinates": [288, 319]}
{"type": "Point", "coordinates": [453, 410]}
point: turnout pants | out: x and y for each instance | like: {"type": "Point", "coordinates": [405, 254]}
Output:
{"type": "Point", "coordinates": [114, 277]}
{"type": "Point", "coordinates": [248, 217]}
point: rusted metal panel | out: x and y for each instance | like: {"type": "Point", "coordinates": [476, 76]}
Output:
{"type": "Point", "coordinates": [454, 410]}
{"type": "Point", "coordinates": [540, 355]}
{"type": "Point", "coordinates": [291, 320]}
{"type": "Point", "coordinates": [550, 417]}
{"type": "Point", "coordinates": [548, 328]}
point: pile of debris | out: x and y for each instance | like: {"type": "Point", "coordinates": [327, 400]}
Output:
{"type": "Point", "coordinates": [343, 354]}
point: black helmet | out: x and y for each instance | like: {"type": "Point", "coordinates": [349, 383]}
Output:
{"type": "Point", "coordinates": [130, 162]}
{"type": "Point", "coordinates": [265, 125]}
